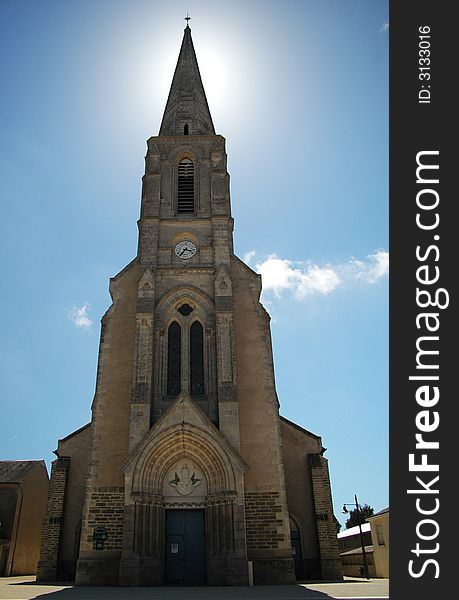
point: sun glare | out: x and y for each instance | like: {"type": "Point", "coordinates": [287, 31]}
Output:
{"type": "Point", "coordinates": [214, 75]}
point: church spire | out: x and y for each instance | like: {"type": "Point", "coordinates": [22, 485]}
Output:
{"type": "Point", "coordinates": [187, 111]}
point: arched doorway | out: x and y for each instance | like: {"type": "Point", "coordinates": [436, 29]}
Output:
{"type": "Point", "coordinates": [295, 539]}
{"type": "Point", "coordinates": [184, 513]}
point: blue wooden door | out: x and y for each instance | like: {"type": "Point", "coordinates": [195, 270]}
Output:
{"type": "Point", "coordinates": [297, 555]}
{"type": "Point", "coordinates": [185, 547]}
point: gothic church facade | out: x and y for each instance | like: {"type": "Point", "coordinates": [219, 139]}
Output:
{"type": "Point", "coordinates": [187, 473]}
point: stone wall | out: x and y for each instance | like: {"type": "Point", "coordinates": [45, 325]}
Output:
{"type": "Point", "coordinates": [109, 431]}
{"type": "Point", "coordinates": [326, 527]}
{"type": "Point", "coordinates": [263, 517]}
{"type": "Point", "coordinates": [52, 527]}
{"type": "Point", "coordinates": [261, 443]}
{"type": "Point", "coordinates": [106, 509]}
{"type": "Point", "coordinates": [298, 444]}
{"type": "Point", "coordinates": [76, 447]}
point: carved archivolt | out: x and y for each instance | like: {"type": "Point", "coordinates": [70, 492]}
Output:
{"type": "Point", "coordinates": [193, 152]}
{"type": "Point", "coordinates": [190, 449]}
{"type": "Point", "coordinates": [167, 306]}
{"type": "Point", "coordinates": [185, 462]}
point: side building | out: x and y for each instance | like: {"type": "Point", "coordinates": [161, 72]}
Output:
{"type": "Point", "coordinates": [23, 497]}
{"type": "Point", "coordinates": [351, 552]}
{"type": "Point", "coordinates": [379, 524]}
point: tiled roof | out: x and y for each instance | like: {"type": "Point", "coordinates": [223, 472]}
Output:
{"type": "Point", "coordinates": [381, 512]}
{"type": "Point", "coordinates": [67, 437]}
{"type": "Point", "coordinates": [302, 429]}
{"type": "Point", "coordinates": [368, 550]}
{"type": "Point", "coordinates": [354, 530]}
{"type": "Point", "coordinates": [14, 471]}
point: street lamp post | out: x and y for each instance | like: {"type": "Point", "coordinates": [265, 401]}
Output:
{"type": "Point", "coordinates": [362, 541]}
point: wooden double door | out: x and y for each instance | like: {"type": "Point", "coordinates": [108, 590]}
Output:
{"type": "Point", "coordinates": [185, 547]}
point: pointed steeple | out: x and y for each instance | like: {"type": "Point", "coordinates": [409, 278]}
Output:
{"type": "Point", "coordinates": [187, 111]}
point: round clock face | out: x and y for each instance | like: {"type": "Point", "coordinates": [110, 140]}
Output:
{"type": "Point", "coordinates": [185, 249]}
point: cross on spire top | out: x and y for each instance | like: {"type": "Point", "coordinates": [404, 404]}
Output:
{"type": "Point", "coordinates": [187, 19]}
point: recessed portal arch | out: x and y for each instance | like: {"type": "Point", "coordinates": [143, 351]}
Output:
{"type": "Point", "coordinates": [185, 463]}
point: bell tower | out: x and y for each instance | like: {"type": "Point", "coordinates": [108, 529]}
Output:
{"type": "Point", "coordinates": [184, 304]}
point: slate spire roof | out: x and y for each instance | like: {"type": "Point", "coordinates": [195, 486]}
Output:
{"type": "Point", "coordinates": [187, 111]}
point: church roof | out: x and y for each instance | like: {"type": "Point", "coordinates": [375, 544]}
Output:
{"type": "Point", "coordinates": [187, 111]}
{"type": "Point", "coordinates": [14, 471]}
{"type": "Point", "coordinates": [302, 429]}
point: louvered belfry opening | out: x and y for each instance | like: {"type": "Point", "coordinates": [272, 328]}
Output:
{"type": "Point", "coordinates": [185, 196]}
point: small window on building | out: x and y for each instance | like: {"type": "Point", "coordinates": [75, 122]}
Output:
{"type": "Point", "coordinates": [380, 535]}
{"type": "Point", "coordinates": [185, 190]}
{"type": "Point", "coordinates": [185, 309]}
{"type": "Point", "coordinates": [185, 129]}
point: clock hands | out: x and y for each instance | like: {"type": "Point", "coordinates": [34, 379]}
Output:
{"type": "Point", "coordinates": [185, 249]}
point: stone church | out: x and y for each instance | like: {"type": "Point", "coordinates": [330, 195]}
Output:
{"type": "Point", "coordinates": [186, 473]}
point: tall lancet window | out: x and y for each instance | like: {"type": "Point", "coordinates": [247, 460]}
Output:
{"type": "Point", "coordinates": [174, 359]}
{"type": "Point", "coordinates": [196, 359]}
{"type": "Point", "coordinates": [185, 192]}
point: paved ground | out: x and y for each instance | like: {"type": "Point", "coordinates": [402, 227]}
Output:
{"type": "Point", "coordinates": [25, 588]}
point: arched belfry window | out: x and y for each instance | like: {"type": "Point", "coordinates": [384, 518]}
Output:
{"type": "Point", "coordinates": [185, 191]}
{"type": "Point", "coordinates": [174, 359]}
{"type": "Point", "coordinates": [196, 359]}
{"type": "Point", "coordinates": [185, 129]}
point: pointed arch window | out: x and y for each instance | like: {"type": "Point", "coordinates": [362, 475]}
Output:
{"type": "Point", "coordinates": [174, 359]}
{"type": "Point", "coordinates": [185, 191]}
{"type": "Point", "coordinates": [196, 359]}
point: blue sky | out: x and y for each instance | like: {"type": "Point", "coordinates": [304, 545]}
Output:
{"type": "Point", "coordinates": [300, 91]}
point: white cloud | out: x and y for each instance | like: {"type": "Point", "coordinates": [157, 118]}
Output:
{"type": "Point", "coordinates": [80, 317]}
{"type": "Point", "coordinates": [376, 266]}
{"type": "Point", "coordinates": [248, 256]}
{"type": "Point", "coordinates": [322, 280]}
{"type": "Point", "coordinates": [305, 278]}
{"type": "Point", "coordinates": [279, 274]}
{"type": "Point", "coordinates": [385, 27]}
